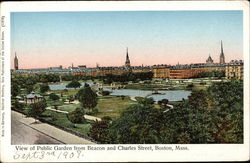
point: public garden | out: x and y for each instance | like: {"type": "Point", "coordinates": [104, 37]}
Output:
{"type": "Point", "coordinates": [142, 111]}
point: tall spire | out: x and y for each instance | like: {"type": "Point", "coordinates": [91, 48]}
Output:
{"type": "Point", "coordinates": [15, 62]}
{"type": "Point", "coordinates": [127, 57]}
{"type": "Point", "coordinates": [127, 62]}
{"type": "Point", "coordinates": [222, 57]}
{"type": "Point", "coordinates": [221, 47]}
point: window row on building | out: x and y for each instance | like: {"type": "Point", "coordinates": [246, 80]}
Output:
{"type": "Point", "coordinates": [233, 70]}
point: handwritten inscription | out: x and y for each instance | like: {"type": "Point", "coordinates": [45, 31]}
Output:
{"type": "Point", "coordinates": [77, 152]}
{"type": "Point", "coordinates": [42, 152]}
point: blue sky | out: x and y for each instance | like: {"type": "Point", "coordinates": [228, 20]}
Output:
{"type": "Point", "coordinates": [43, 39]}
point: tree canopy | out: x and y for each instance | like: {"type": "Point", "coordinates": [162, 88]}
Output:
{"type": "Point", "coordinates": [54, 96]}
{"type": "Point", "coordinates": [44, 88]}
{"type": "Point", "coordinates": [74, 84]}
{"type": "Point", "coordinates": [36, 109]}
{"type": "Point", "coordinates": [76, 116]}
{"type": "Point", "coordinates": [87, 97]}
{"type": "Point", "coordinates": [214, 115]}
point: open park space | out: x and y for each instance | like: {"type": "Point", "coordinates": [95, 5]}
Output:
{"type": "Point", "coordinates": [96, 111]}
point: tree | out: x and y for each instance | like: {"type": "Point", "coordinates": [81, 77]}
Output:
{"type": "Point", "coordinates": [44, 88]}
{"type": "Point", "coordinates": [122, 97]}
{"type": "Point", "coordinates": [73, 84]}
{"type": "Point", "coordinates": [164, 102]}
{"type": "Point", "coordinates": [139, 124]}
{"type": "Point", "coordinates": [159, 102]}
{"type": "Point", "coordinates": [228, 112]}
{"type": "Point", "coordinates": [200, 99]}
{"type": "Point", "coordinates": [15, 89]}
{"type": "Point", "coordinates": [54, 97]}
{"type": "Point", "coordinates": [76, 116]}
{"type": "Point", "coordinates": [145, 101]}
{"type": "Point", "coordinates": [211, 116]}
{"type": "Point", "coordinates": [105, 93]}
{"type": "Point", "coordinates": [216, 73]}
{"type": "Point", "coordinates": [36, 109]}
{"type": "Point", "coordinates": [71, 98]}
{"type": "Point", "coordinates": [193, 122]}
{"type": "Point", "coordinates": [100, 131]}
{"type": "Point", "coordinates": [87, 97]}
{"type": "Point", "coordinates": [29, 88]}
{"type": "Point", "coordinates": [190, 86]}
{"type": "Point", "coordinates": [18, 106]}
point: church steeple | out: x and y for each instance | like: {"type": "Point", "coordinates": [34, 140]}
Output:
{"type": "Point", "coordinates": [222, 56]}
{"type": "Point", "coordinates": [127, 62]}
{"type": "Point", "coordinates": [15, 62]}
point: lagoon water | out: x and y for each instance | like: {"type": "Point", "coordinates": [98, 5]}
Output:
{"type": "Point", "coordinates": [62, 86]}
{"type": "Point", "coordinates": [171, 95]}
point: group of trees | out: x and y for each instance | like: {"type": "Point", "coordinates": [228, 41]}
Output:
{"type": "Point", "coordinates": [163, 102]}
{"type": "Point", "coordinates": [44, 88]}
{"type": "Point", "coordinates": [211, 116]}
{"type": "Point", "coordinates": [74, 84]}
{"type": "Point", "coordinates": [86, 96]}
{"type": "Point", "coordinates": [36, 78]}
{"type": "Point", "coordinates": [71, 77]}
{"type": "Point", "coordinates": [88, 99]}
{"type": "Point", "coordinates": [27, 83]}
{"type": "Point", "coordinates": [36, 109]}
{"type": "Point", "coordinates": [76, 116]}
{"type": "Point", "coordinates": [215, 73]}
{"type": "Point", "coordinates": [127, 76]}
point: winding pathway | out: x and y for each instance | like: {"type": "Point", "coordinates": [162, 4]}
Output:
{"type": "Point", "coordinates": [88, 117]}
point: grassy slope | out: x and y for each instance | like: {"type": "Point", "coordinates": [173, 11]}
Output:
{"type": "Point", "coordinates": [113, 106]}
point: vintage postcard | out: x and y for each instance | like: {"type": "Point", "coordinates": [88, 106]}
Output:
{"type": "Point", "coordinates": [124, 81]}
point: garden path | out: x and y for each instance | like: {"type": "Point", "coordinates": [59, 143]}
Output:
{"type": "Point", "coordinates": [88, 117]}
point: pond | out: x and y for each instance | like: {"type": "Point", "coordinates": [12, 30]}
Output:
{"type": "Point", "coordinates": [62, 86]}
{"type": "Point", "coordinates": [171, 95]}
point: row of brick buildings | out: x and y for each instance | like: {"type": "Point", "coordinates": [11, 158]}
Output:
{"type": "Point", "coordinates": [233, 69]}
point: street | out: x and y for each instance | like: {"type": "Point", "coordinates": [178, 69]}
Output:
{"type": "Point", "coordinates": [25, 130]}
{"type": "Point", "coordinates": [24, 134]}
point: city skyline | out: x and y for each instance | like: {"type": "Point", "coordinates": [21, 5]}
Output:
{"type": "Point", "coordinates": [152, 37]}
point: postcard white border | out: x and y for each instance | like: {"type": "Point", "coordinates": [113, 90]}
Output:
{"type": "Point", "coordinates": [203, 152]}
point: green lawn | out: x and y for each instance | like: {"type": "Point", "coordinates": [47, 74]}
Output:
{"type": "Point", "coordinates": [107, 106]}
{"type": "Point", "coordinates": [112, 106]}
{"type": "Point", "coordinates": [60, 119]}
{"type": "Point", "coordinates": [69, 107]}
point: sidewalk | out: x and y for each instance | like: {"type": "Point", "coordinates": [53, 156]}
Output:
{"type": "Point", "coordinates": [51, 131]}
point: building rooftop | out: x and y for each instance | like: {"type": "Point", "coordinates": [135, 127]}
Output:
{"type": "Point", "coordinates": [33, 95]}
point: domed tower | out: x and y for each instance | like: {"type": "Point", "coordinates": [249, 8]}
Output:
{"type": "Point", "coordinates": [15, 62]}
{"type": "Point", "coordinates": [209, 60]}
{"type": "Point", "coordinates": [222, 57]}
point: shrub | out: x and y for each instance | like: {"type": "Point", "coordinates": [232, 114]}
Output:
{"type": "Point", "coordinates": [105, 93]}
{"type": "Point", "coordinates": [76, 116]}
